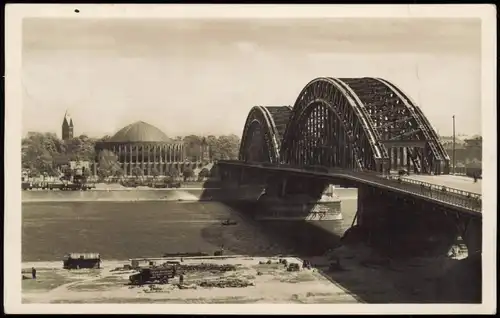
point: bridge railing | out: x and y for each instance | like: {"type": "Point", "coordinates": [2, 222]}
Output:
{"type": "Point", "coordinates": [441, 193]}
{"type": "Point", "coordinates": [451, 196]}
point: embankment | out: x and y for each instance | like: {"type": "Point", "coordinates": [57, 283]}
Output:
{"type": "Point", "coordinates": [182, 194]}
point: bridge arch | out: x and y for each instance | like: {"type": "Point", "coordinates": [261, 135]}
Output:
{"type": "Point", "coordinates": [354, 123]}
{"type": "Point", "coordinates": [262, 133]}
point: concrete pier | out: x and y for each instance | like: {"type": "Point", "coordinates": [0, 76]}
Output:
{"type": "Point", "coordinates": [300, 207]}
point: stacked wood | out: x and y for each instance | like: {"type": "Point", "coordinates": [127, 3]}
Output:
{"type": "Point", "coordinates": [231, 283]}
{"type": "Point", "coordinates": [206, 267]}
{"type": "Point", "coordinates": [293, 267]}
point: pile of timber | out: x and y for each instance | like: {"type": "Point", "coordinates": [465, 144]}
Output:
{"type": "Point", "coordinates": [194, 254]}
{"type": "Point", "coordinates": [206, 268]}
{"type": "Point", "coordinates": [125, 267]}
{"type": "Point", "coordinates": [231, 283]}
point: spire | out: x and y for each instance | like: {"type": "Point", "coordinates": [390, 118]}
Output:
{"type": "Point", "coordinates": [67, 117]}
{"type": "Point", "coordinates": [67, 126]}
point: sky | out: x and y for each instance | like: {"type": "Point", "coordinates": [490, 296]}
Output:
{"type": "Point", "coordinates": [203, 76]}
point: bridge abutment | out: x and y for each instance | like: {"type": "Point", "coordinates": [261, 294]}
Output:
{"type": "Point", "coordinates": [472, 234]}
{"type": "Point", "coordinates": [405, 225]}
{"type": "Point", "coordinates": [291, 198]}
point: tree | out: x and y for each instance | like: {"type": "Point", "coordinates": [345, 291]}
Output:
{"type": "Point", "coordinates": [86, 172]}
{"type": "Point", "coordinates": [103, 173]}
{"type": "Point", "coordinates": [227, 147]}
{"type": "Point", "coordinates": [223, 147]}
{"type": "Point", "coordinates": [39, 159]}
{"type": "Point", "coordinates": [66, 172]}
{"type": "Point", "coordinates": [204, 173]}
{"type": "Point", "coordinates": [167, 179]}
{"type": "Point", "coordinates": [214, 152]}
{"type": "Point", "coordinates": [119, 173]}
{"type": "Point", "coordinates": [192, 144]}
{"type": "Point", "coordinates": [38, 152]}
{"type": "Point", "coordinates": [34, 173]}
{"type": "Point", "coordinates": [108, 163]}
{"type": "Point", "coordinates": [81, 148]}
{"type": "Point", "coordinates": [155, 172]}
{"type": "Point", "coordinates": [187, 173]}
{"type": "Point", "coordinates": [137, 172]}
{"type": "Point", "coordinates": [172, 172]}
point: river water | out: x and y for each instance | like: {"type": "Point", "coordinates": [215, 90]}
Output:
{"type": "Point", "coordinates": [123, 230]}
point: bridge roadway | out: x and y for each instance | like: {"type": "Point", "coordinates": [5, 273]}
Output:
{"type": "Point", "coordinates": [450, 181]}
{"type": "Point", "coordinates": [467, 197]}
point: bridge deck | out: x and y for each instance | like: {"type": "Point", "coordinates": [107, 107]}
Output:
{"type": "Point", "coordinates": [460, 191]}
{"type": "Point", "coordinates": [450, 181]}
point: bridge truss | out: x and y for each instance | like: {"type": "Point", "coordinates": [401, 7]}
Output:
{"type": "Point", "coordinates": [350, 123]}
{"type": "Point", "coordinates": [263, 133]}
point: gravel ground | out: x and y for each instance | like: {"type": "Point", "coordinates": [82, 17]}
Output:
{"type": "Point", "coordinates": [55, 285]}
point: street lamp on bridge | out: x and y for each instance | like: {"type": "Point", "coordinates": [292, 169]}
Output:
{"type": "Point", "coordinates": [453, 151]}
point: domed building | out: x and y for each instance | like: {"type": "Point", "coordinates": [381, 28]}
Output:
{"type": "Point", "coordinates": [145, 146]}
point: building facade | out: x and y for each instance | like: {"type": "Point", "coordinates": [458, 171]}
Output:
{"type": "Point", "coordinates": [474, 147]}
{"type": "Point", "coordinates": [145, 147]}
{"type": "Point", "coordinates": [67, 127]}
{"type": "Point", "coordinates": [466, 150]}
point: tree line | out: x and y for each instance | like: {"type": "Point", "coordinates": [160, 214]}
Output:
{"type": "Point", "coordinates": [42, 153]}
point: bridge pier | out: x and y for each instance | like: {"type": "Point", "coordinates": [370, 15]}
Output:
{"type": "Point", "coordinates": [296, 199]}
{"type": "Point", "coordinates": [471, 232]}
{"type": "Point", "coordinates": [281, 196]}
{"type": "Point", "coordinates": [404, 225]}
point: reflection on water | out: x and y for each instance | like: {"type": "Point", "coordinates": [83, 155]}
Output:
{"type": "Point", "coordinates": [122, 230]}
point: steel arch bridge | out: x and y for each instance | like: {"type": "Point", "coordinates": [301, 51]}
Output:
{"type": "Point", "coordinates": [263, 133]}
{"type": "Point", "coordinates": [364, 124]}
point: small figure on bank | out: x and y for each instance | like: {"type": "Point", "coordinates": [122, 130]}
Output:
{"type": "Point", "coordinates": [181, 279]}
{"type": "Point", "coordinates": [475, 177]}
{"type": "Point", "coordinates": [33, 273]}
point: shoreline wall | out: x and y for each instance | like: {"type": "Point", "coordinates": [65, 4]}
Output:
{"type": "Point", "coordinates": [241, 194]}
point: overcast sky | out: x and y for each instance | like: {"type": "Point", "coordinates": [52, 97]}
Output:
{"type": "Point", "coordinates": [203, 76]}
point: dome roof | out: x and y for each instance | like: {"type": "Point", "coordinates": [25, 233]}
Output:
{"type": "Point", "coordinates": [139, 132]}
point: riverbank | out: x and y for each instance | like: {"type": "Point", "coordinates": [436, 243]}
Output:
{"type": "Point", "coordinates": [120, 193]}
{"type": "Point", "coordinates": [267, 281]}
{"type": "Point", "coordinates": [361, 277]}
{"type": "Point", "coordinates": [117, 195]}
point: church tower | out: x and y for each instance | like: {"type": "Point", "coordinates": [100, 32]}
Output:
{"type": "Point", "coordinates": [67, 127]}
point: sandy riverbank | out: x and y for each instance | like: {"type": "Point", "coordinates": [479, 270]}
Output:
{"type": "Point", "coordinates": [363, 277]}
{"type": "Point", "coordinates": [270, 283]}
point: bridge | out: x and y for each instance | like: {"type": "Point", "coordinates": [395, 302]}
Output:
{"type": "Point", "coordinates": [358, 132]}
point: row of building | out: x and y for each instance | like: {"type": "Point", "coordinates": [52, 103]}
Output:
{"type": "Point", "coordinates": [140, 146]}
{"type": "Point", "coordinates": [468, 151]}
